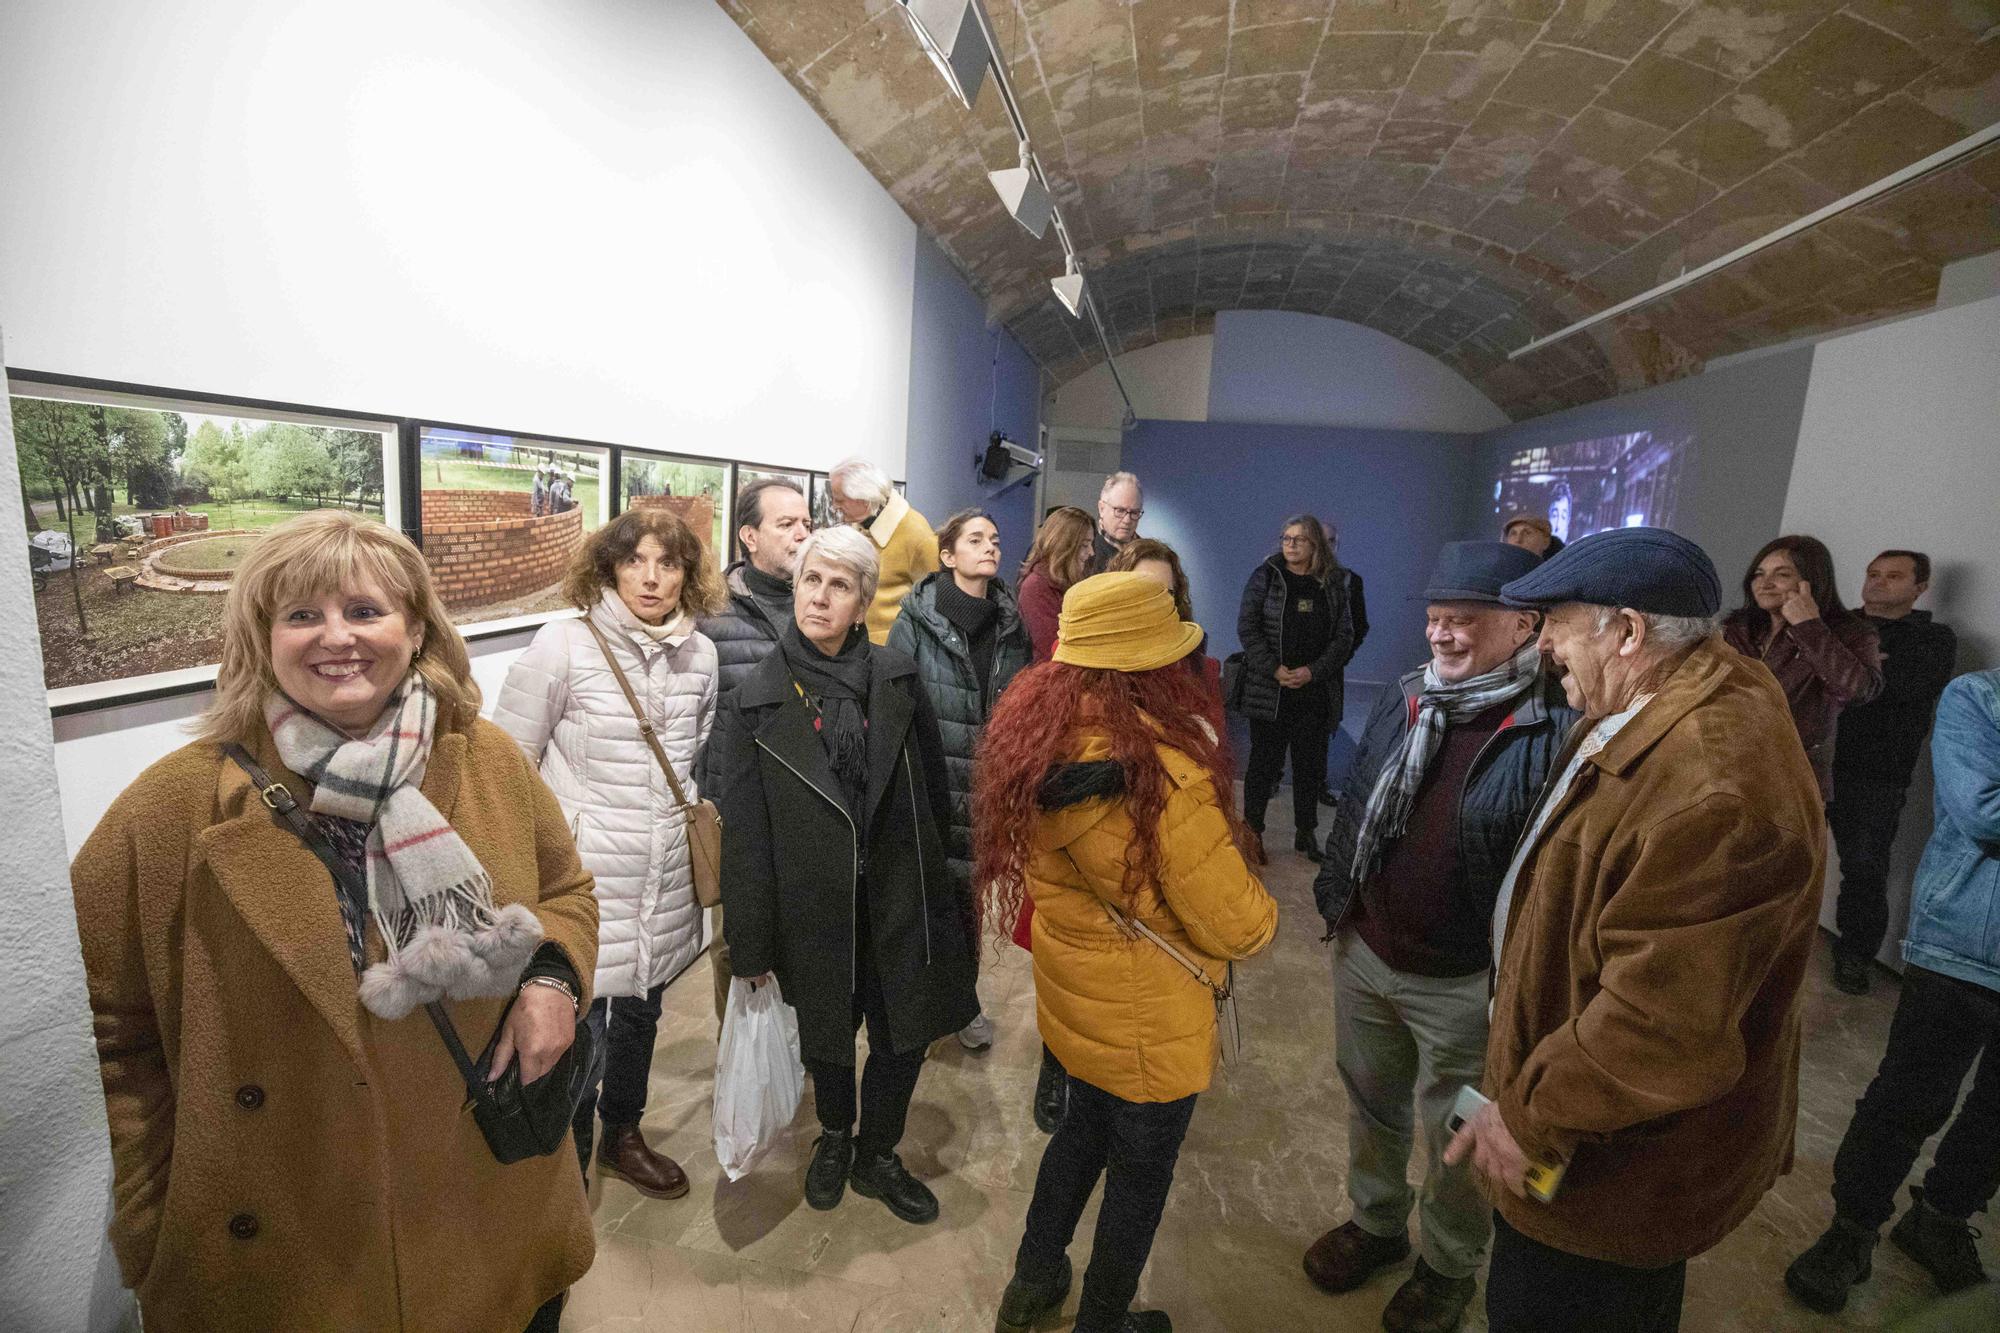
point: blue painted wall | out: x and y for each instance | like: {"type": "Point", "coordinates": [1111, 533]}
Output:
{"type": "Point", "coordinates": [959, 394]}
{"type": "Point", "coordinates": [1218, 493]}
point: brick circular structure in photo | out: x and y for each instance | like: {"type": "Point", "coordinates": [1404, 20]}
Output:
{"type": "Point", "coordinates": [697, 511]}
{"type": "Point", "coordinates": [484, 545]}
{"type": "Point", "coordinates": [175, 558]}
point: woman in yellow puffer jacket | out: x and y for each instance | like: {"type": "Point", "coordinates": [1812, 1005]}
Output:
{"type": "Point", "coordinates": [1100, 792]}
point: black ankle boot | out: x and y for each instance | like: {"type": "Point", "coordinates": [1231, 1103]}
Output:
{"type": "Point", "coordinates": [1943, 1245]}
{"type": "Point", "coordinates": [885, 1178]}
{"type": "Point", "coordinates": [1307, 845]}
{"type": "Point", "coordinates": [1051, 1095]}
{"type": "Point", "coordinates": [826, 1178]}
{"type": "Point", "coordinates": [1025, 1304]}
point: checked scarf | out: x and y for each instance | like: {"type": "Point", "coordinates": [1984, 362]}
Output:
{"type": "Point", "coordinates": [1440, 705]}
{"type": "Point", "coordinates": [428, 894]}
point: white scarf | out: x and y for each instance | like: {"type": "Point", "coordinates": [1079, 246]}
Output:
{"type": "Point", "coordinates": [430, 897]}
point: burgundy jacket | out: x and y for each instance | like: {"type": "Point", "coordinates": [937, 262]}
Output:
{"type": "Point", "coordinates": [1821, 667]}
{"type": "Point", "coordinates": [1040, 601]}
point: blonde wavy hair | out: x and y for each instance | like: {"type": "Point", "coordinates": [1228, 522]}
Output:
{"type": "Point", "coordinates": [329, 550]}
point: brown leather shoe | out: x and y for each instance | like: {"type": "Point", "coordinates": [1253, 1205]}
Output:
{"type": "Point", "coordinates": [622, 1152]}
{"type": "Point", "coordinates": [1347, 1256]}
{"type": "Point", "coordinates": [1428, 1302]}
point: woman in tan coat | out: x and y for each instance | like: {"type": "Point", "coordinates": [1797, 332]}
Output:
{"type": "Point", "coordinates": [288, 1135]}
{"type": "Point", "coordinates": [1101, 791]}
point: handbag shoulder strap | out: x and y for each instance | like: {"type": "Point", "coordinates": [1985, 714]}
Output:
{"type": "Point", "coordinates": [645, 723]}
{"type": "Point", "coordinates": [278, 798]}
{"type": "Point", "coordinates": [1133, 928]}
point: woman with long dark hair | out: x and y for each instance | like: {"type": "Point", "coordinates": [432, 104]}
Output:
{"type": "Point", "coordinates": [1059, 556]}
{"type": "Point", "coordinates": [1102, 794]}
{"type": "Point", "coordinates": [1824, 655]}
{"type": "Point", "coordinates": [1297, 634]}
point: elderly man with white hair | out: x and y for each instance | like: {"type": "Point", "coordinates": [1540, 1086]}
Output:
{"type": "Point", "coordinates": [1119, 506]}
{"type": "Point", "coordinates": [1653, 928]}
{"type": "Point", "coordinates": [862, 494]}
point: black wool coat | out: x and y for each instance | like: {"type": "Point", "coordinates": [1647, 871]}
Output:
{"type": "Point", "coordinates": [944, 663]}
{"type": "Point", "coordinates": [744, 634]}
{"type": "Point", "coordinates": [794, 861]}
{"type": "Point", "coordinates": [1260, 623]}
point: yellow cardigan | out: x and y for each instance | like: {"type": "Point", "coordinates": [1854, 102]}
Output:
{"type": "Point", "coordinates": [908, 551]}
{"type": "Point", "coordinates": [283, 1158]}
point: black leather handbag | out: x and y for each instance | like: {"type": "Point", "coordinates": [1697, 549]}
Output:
{"type": "Point", "coordinates": [519, 1120]}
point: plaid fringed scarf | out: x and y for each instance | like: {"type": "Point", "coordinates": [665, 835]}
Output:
{"type": "Point", "coordinates": [428, 894]}
{"type": "Point", "coordinates": [1395, 793]}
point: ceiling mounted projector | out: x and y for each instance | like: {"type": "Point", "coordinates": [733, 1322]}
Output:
{"type": "Point", "coordinates": [948, 30]}
{"type": "Point", "coordinates": [1002, 455]}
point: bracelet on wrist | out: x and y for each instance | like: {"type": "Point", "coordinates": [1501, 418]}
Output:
{"type": "Point", "coordinates": [556, 983]}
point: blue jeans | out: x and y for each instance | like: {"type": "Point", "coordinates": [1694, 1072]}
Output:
{"type": "Point", "coordinates": [1134, 1146]}
{"type": "Point", "coordinates": [625, 1028]}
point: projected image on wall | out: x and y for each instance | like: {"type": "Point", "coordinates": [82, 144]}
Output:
{"type": "Point", "coordinates": [1617, 481]}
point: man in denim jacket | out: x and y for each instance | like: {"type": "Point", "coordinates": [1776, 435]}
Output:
{"type": "Point", "coordinates": [1949, 1015]}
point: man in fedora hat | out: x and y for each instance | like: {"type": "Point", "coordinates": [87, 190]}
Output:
{"type": "Point", "coordinates": [1440, 788]}
{"type": "Point", "coordinates": [1654, 924]}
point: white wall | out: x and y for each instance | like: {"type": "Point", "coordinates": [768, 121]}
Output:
{"type": "Point", "coordinates": [611, 220]}
{"type": "Point", "coordinates": [1275, 367]}
{"type": "Point", "coordinates": [1899, 445]}
{"type": "Point", "coordinates": [55, 1176]}
{"type": "Point", "coordinates": [1168, 381]}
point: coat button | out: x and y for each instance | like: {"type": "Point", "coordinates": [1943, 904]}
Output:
{"type": "Point", "coordinates": [243, 1226]}
{"type": "Point", "coordinates": [249, 1096]}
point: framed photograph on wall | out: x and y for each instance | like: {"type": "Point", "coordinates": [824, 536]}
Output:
{"type": "Point", "coordinates": [695, 489]}
{"type": "Point", "coordinates": [141, 503]}
{"type": "Point", "coordinates": [500, 516]}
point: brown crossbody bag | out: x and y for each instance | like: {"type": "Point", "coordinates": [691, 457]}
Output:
{"type": "Point", "coordinates": [704, 822]}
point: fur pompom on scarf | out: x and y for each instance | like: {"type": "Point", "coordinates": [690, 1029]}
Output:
{"type": "Point", "coordinates": [431, 899]}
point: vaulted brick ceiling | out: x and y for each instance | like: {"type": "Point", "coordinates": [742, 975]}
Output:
{"type": "Point", "coordinates": [1461, 174]}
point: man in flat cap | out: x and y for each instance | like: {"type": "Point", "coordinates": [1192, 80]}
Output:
{"type": "Point", "coordinates": [1438, 793]}
{"type": "Point", "coordinates": [1653, 930]}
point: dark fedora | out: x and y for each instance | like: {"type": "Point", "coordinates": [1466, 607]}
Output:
{"type": "Point", "coordinates": [1475, 571]}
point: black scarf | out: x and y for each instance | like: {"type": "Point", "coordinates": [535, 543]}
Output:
{"type": "Point", "coordinates": [837, 690]}
{"type": "Point", "coordinates": [770, 592]}
{"type": "Point", "coordinates": [977, 618]}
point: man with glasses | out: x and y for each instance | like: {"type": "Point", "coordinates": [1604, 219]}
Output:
{"type": "Point", "coordinates": [1119, 507]}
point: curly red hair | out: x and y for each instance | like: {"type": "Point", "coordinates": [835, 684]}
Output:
{"type": "Point", "coordinates": [1041, 721]}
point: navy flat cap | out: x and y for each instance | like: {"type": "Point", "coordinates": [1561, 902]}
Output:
{"type": "Point", "coordinates": [1475, 571]}
{"type": "Point", "coordinates": [1646, 569]}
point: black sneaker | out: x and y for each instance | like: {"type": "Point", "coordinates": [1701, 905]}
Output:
{"type": "Point", "coordinates": [826, 1178]}
{"type": "Point", "coordinates": [886, 1178]}
{"type": "Point", "coordinates": [1850, 974]}
{"type": "Point", "coordinates": [1943, 1245]}
{"type": "Point", "coordinates": [1025, 1304]}
{"type": "Point", "coordinates": [1307, 845]}
{"type": "Point", "coordinates": [1841, 1257]}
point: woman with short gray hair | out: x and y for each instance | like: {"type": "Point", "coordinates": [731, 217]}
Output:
{"type": "Point", "coordinates": [835, 879]}
{"type": "Point", "coordinates": [862, 494]}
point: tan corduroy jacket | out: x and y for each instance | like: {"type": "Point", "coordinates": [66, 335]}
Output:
{"type": "Point", "coordinates": [1646, 1018]}
{"type": "Point", "coordinates": [908, 550]}
{"type": "Point", "coordinates": [283, 1159]}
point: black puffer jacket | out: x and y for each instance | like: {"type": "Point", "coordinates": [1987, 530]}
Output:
{"type": "Point", "coordinates": [1493, 806]}
{"type": "Point", "coordinates": [945, 664]}
{"type": "Point", "coordinates": [1260, 623]}
{"type": "Point", "coordinates": [744, 634]}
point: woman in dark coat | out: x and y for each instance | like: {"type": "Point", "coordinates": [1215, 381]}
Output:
{"type": "Point", "coordinates": [834, 874]}
{"type": "Point", "coordinates": [1297, 633]}
{"type": "Point", "coordinates": [1825, 657]}
{"type": "Point", "coordinates": [961, 627]}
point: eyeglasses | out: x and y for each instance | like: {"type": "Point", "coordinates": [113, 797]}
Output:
{"type": "Point", "coordinates": [1121, 512]}
{"type": "Point", "coordinates": [1289, 540]}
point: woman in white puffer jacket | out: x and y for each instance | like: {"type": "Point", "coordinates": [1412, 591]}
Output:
{"type": "Point", "coordinates": [640, 581]}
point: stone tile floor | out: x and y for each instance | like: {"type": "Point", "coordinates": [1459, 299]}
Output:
{"type": "Point", "coordinates": [1260, 1176]}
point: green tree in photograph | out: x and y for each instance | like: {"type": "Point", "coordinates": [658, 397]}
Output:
{"type": "Point", "coordinates": [288, 461]}
{"type": "Point", "coordinates": [63, 441]}
{"type": "Point", "coordinates": [142, 447]}
{"type": "Point", "coordinates": [214, 461]}
{"type": "Point", "coordinates": [357, 464]}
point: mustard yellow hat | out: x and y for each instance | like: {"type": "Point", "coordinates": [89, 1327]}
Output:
{"type": "Point", "coordinates": [1122, 622]}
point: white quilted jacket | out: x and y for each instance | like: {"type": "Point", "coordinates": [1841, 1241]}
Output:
{"type": "Point", "coordinates": [563, 706]}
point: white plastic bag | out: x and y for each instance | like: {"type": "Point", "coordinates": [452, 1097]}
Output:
{"type": "Point", "coordinates": [759, 1077]}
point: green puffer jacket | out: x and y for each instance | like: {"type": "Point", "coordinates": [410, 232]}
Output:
{"type": "Point", "coordinates": [944, 663]}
